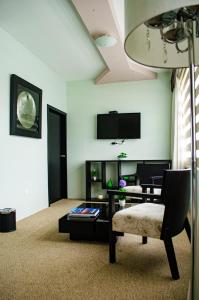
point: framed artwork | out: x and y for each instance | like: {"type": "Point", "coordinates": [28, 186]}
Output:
{"type": "Point", "coordinates": [25, 108]}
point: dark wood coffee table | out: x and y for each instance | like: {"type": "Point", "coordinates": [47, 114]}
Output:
{"type": "Point", "coordinates": [92, 230]}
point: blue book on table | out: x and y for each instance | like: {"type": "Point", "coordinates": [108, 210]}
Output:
{"type": "Point", "coordinates": [84, 212]}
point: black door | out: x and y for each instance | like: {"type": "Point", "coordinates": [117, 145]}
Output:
{"type": "Point", "coordinates": [57, 159]}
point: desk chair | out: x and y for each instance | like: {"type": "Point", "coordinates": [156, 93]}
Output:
{"type": "Point", "coordinates": [162, 221]}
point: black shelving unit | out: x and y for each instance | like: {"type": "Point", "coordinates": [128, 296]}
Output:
{"type": "Point", "coordinates": [103, 166]}
{"type": "Point", "coordinates": [102, 170]}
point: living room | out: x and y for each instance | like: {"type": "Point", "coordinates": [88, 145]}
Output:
{"type": "Point", "coordinates": [72, 89]}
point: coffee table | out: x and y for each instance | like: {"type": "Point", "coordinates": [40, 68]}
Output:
{"type": "Point", "coordinates": [92, 230]}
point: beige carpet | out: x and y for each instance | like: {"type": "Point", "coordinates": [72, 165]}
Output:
{"type": "Point", "coordinates": [37, 262]}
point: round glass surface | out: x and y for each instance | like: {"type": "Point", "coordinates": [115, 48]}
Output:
{"type": "Point", "coordinates": [26, 109]}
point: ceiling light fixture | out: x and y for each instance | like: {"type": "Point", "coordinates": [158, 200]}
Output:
{"type": "Point", "coordinates": [105, 41]}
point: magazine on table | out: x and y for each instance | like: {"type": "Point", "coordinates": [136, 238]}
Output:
{"type": "Point", "coordinates": [84, 212]}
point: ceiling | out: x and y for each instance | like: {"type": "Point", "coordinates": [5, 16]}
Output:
{"type": "Point", "coordinates": [54, 31]}
{"type": "Point", "coordinates": [101, 17]}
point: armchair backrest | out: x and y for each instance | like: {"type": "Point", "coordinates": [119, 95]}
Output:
{"type": "Point", "coordinates": [146, 171]}
{"type": "Point", "coordinates": [176, 197]}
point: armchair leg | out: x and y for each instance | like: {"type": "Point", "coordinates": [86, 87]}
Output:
{"type": "Point", "coordinates": [144, 240]}
{"type": "Point", "coordinates": [112, 242]}
{"type": "Point", "coordinates": [188, 228]}
{"type": "Point", "coordinates": [171, 257]}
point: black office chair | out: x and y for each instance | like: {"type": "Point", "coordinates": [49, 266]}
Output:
{"type": "Point", "coordinates": [162, 221]}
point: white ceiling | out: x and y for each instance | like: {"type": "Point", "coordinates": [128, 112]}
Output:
{"type": "Point", "coordinates": [119, 67]}
{"type": "Point", "coordinates": [52, 30]}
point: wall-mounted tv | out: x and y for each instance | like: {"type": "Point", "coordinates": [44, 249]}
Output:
{"type": "Point", "coordinates": [118, 126]}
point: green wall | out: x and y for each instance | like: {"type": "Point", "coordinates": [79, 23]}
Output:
{"type": "Point", "coordinates": [85, 100]}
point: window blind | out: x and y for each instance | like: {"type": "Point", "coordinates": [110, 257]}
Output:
{"type": "Point", "coordinates": [185, 114]}
{"type": "Point", "coordinates": [197, 112]}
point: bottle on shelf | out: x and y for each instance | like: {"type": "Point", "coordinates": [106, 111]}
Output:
{"type": "Point", "coordinates": [110, 183]}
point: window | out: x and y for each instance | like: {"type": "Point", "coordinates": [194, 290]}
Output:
{"type": "Point", "coordinates": [184, 114]}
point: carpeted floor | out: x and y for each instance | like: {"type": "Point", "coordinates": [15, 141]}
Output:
{"type": "Point", "coordinates": [37, 262]}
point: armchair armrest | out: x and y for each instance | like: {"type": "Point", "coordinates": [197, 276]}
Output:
{"type": "Point", "coordinates": [152, 187]}
{"type": "Point", "coordinates": [117, 192]}
{"type": "Point", "coordinates": [112, 193]}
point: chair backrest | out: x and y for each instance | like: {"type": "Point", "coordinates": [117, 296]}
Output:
{"type": "Point", "coordinates": [146, 171]}
{"type": "Point", "coordinates": [176, 197]}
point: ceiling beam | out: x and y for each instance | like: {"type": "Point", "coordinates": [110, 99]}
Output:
{"type": "Point", "coordinates": [100, 18]}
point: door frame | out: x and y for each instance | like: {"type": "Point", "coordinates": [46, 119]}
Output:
{"type": "Point", "coordinates": [63, 133]}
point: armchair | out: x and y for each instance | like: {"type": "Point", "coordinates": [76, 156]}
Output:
{"type": "Point", "coordinates": [162, 221]}
{"type": "Point", "coordinates": [147, 174]}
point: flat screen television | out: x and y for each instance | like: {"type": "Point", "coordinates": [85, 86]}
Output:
{"type": "Point", "coordinates": [118, 126]}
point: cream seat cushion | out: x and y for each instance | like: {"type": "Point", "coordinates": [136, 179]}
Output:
{"type": "Point", "coordinates": [138, 189]}
{"type": "Point", "coordinates": [143, 219]}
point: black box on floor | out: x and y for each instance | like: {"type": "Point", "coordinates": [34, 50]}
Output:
{"type": "Point", "coordinates": [7, 219]}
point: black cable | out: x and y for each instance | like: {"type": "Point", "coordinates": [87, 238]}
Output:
{"type": "Point", "coordinates": [117, 143]}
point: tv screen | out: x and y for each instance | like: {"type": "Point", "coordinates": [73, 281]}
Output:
{"type": "Point", "coordinates": [118, 126]}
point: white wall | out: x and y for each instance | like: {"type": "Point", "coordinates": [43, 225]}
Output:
{"type": "Point", "coordinates": [23, 172]}
{"type": "Point", "coordinates": [23, 167]}
{"type": "Point", "coordinates": [86, 100]}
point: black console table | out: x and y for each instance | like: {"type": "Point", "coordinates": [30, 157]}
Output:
{"type": "Point", "coordinates": [102, 170]}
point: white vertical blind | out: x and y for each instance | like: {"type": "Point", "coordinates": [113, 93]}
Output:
{"type": "Point", "coordinates": [185, 114]}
